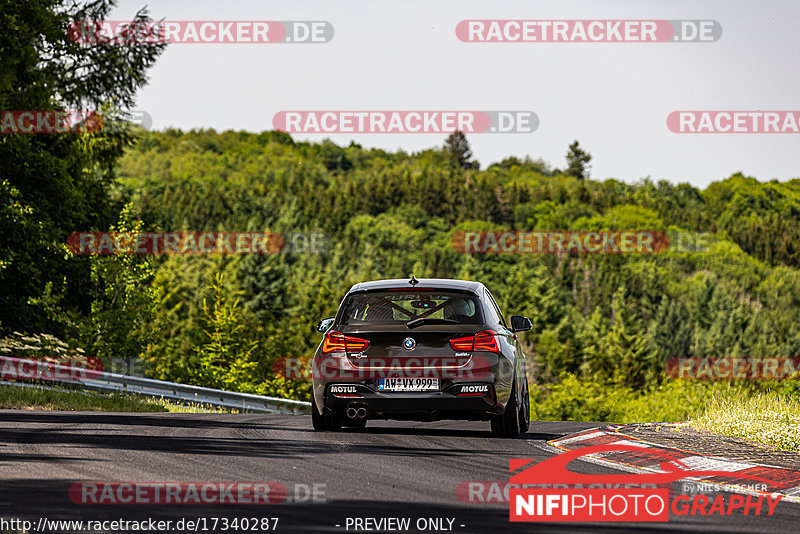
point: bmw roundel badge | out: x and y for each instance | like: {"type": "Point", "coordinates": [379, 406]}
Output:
{"type": "Point", "coordinates": [409, 343]}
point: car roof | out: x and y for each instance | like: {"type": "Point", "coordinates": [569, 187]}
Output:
{"type": "Point", "coordinates": [436, 283]}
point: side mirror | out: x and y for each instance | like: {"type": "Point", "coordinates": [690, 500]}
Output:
{"type": "Point", "coordinates": [520, 323]}
{"type": "Point", "coordinates": [325, 324]}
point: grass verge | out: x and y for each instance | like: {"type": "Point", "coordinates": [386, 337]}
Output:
{"type": "Point", "coordinates": [578, 399]}
{"type": "Point", "coordinates": [766, 413]}
{"type": "Point", "coordinates": [38, 398]}
{"type": "Point", "coordinates": [768, 418]}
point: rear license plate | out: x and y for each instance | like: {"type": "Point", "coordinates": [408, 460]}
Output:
{"type": "Point", "coordinates": [408, 384]}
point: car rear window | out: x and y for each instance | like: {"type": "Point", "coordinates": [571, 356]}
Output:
{"type": "Point", "coordinates": [399, 307]}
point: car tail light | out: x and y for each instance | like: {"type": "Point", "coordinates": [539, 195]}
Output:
{"type": "Point", "coordinates": [462, 343]}
{"type": "Point", "coordinates": [483, 341]}
{"type": "Point", "coordinates": [337, 342]}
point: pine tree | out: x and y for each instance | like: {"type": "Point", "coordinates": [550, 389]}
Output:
{"type": "Point", "coordinates": [597, 362]}
{"type": "Point", "coordinates": [577, 161]}
{"type": "Point", "coordinates": [265, 282]}
{"type": "Point", "coordinates": [671, 331]}
{"type": "Point", "coordinates": [636, 362]}
{"type": "Point", "coordinates": [226, 358]}
{"type": "Point", "coordinates": [457, 146]}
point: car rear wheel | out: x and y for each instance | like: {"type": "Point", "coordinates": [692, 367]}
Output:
{"type": "Point", "coordinates": [507, 425]}
{"type": "Point", "coordinates": [525, 410]}
{"type": "Point", "coordinates": [324, 422]}
{"type": "Point", "coordinates": [525, 414]}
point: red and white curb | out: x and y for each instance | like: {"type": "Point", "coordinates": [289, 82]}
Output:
{"type": "Point", "coordinates": [783, 481]}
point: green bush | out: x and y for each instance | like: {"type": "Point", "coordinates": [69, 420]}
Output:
{"type": "Point", "coordinates": [579, 399]}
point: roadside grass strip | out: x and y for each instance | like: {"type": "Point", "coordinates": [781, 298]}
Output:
{"type": "Point", "coordinates": [21, 396]}
{"type": "Point", "coordinates": [17, 396]}
{"type": "Point", "coordinates": [769, 418]}
{"type": "Point", "coordinates": [783, 481]}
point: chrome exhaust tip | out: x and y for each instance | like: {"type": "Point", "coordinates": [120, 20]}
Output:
{"type": "Point", "coordinates": [361, 413]}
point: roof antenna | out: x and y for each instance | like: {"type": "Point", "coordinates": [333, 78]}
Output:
{"type": "Point", "coordinates": [413, 281]}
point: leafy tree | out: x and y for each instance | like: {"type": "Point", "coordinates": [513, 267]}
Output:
{"type": "Point", "coordinates": [63, 181]}
{"type": "Point", "coordinates": [334, 157]}
{"type": "Point", "coordinates": [123, 297]}
{"type": "Point", "coordinates": [527, 164]}
{"type": "Point", "coordinates": [26, 249]}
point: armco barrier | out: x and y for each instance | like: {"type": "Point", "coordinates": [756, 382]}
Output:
{"type": "Point", "coordinates": [147, 387]}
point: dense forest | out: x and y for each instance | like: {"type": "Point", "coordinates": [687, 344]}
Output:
{"type": "Point", "coordinates": [608, 318]}
{"type": "Point", "coordinates": [602, 319]}
{"type": "Point", "coordinates": [604, 325]}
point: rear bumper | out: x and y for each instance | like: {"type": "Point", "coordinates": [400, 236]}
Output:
{"type": "Point", "coordinates": [472, 401]}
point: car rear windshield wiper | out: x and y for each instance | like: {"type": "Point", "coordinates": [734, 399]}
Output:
{"type": "Point", "coordinates": [429, 320]}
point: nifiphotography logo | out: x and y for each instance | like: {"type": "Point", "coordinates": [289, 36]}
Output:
{"type": "Point", "coordinates": [602, 498]}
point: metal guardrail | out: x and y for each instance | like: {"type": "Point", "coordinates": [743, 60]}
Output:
{"type": "Point", "coordinates": [146, 387]}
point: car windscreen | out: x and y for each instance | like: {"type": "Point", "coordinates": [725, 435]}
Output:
{"type": "Point", "coordinates": [400, 307]}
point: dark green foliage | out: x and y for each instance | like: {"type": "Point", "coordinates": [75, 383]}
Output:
{"type": "Point", "coordinates": [457, 147]}
{"type": "Point", "coordinates": [611, 319]}
{"type": "Point", "coordinates": [334, 157]}
{"type": "Point", "coordinates": [123, 299]}
{"type": "Point", "coordinates": [265, 281]}
{"type": "Point", "coordinates": [577, 161]}
{"type": "Point", "coordinates": [54, 184]}
{"type": "Point", "coordinates": [607, 320]}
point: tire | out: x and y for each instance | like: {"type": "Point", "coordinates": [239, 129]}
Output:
{"type": "Point", "coordinates": [329, 423]}
{"type": "Point", "coordinates": [507, 425]}
{"type": "Point", "coordinates": [525, 410]}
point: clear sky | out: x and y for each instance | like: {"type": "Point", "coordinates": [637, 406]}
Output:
{"type": "Point", "coordinates": [404, 55]}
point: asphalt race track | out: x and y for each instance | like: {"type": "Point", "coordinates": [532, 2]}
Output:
{"type": "Point", "coordinates": [391, 469]}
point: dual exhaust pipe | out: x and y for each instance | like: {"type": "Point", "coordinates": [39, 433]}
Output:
{"type": "Point", "coordinates": [356, 413]}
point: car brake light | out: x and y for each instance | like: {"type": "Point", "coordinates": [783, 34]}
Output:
{"type": "Point", "coordinates": [483, 341]}
{"type": "Point", "coordinates": [411, 289]}
{"type": "Point", "coordinates": [337, 342]}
